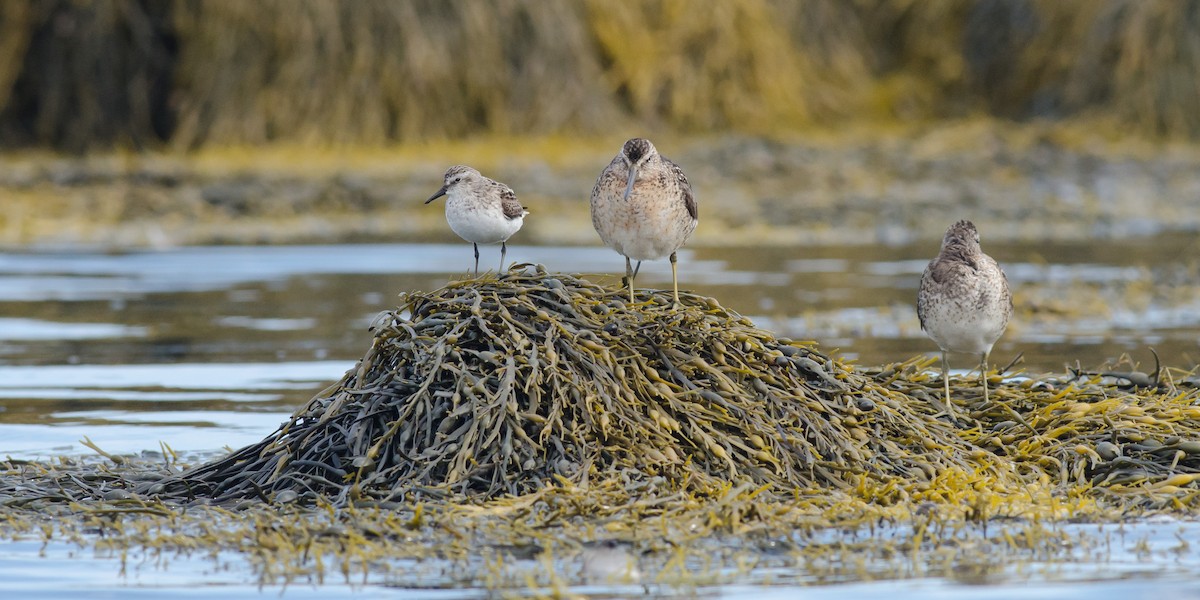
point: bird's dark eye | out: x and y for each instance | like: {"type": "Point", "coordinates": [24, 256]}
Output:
{"type": "Point", "coordinates": [456, 180]}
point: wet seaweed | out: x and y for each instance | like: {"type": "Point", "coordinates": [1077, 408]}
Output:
{"type": "Point", "coordinates": [557, 394]}
{"type": "Point", "coordinates": [508, 425]}
{"type": "Point", "coordinates": [1097, 434]}
{"type": "Point", "coordinates": [504, 386]}
{"type": "Point", "coordinates": [532, 382]}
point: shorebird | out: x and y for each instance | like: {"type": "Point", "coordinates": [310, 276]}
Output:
{"type": "Point", "coordinates": [964, 303]}
{"type": "Point", "coordinates": [480, 210]}
{"type": "Point", "coordinates": [643, 207]}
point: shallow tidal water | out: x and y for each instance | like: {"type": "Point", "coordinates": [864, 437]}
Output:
{"type": "Point", "coordinates": [204, 348]}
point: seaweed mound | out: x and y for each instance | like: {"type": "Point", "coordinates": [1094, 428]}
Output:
{"type": "Point", "coordinates": [504, 386]}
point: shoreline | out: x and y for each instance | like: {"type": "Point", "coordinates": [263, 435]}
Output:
{"type": "Point", "coordinates": [1018, 183]}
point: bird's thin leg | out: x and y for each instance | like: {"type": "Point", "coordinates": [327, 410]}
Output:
{"type": "Point", "coordinates": [675, 279]}
{"type": "Point", "coordinates": [503, 249]}
{"type": "Point", "coordinates": [983, 374]}
{"type": "Point", "coordinates": [946, 384]}
{"type": "Point", "coordinates": [636, 268]}
{"type": "Point", "coordinates": [629, 277]}
{"type": "Point", "coordinates": [476, 258]}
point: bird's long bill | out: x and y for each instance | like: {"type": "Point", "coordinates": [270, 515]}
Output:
{"type": "Point", "coordinates": [441, 192]}
{"type": "Point", "coordinates": [629, 184]}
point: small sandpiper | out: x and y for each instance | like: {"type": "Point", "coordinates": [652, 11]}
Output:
{"type": "Point", "coordinates": [643, 207]}
{"type": "Point", "coordinates": [964, 304]}
{"type": "Point", "coordinates": [480, 210]}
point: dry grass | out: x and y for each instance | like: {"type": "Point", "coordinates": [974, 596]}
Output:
{"type": "Point", "coordinates": [190, 73]}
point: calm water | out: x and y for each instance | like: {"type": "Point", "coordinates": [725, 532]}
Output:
{"type": "Point", "coordinates": [212, 347]}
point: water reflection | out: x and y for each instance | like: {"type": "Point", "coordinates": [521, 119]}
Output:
{"type": "Point", "coordinates": [34, 329]}
{"type": "Point", "coordinates": [1093, 562]}
{"type": "Point", "coordinates": [213, 346]}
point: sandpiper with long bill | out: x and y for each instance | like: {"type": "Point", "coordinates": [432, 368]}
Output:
{"type": "Point", "coordinates": [643, 207]}
{"type": "Point", "coordinates": [964, 303]}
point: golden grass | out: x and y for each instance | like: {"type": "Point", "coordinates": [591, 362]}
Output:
{"type": "Point", "coordinates": [196, 73]}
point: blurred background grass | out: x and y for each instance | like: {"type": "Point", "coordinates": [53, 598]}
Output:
{"type": "Point", "coordinates": [165, 122]}
{"type": "Point", "coordinates": [185, 74]}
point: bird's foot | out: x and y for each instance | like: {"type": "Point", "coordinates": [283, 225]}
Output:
{"type": "Point", "coordinates": [951, 414]}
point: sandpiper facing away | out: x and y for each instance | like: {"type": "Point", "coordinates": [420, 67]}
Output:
{"type": "Point", "coordinates": [480, 210]}
{"type": "Point", "coordinates": [964, 303]}
{"type": "Point", "coordinates": [643, 207]}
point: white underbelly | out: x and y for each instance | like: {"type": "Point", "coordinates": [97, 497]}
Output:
{"type": "Point", "coordinates": [968, 331]}
{"type": "Point", "coordinates": [481, 225]}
